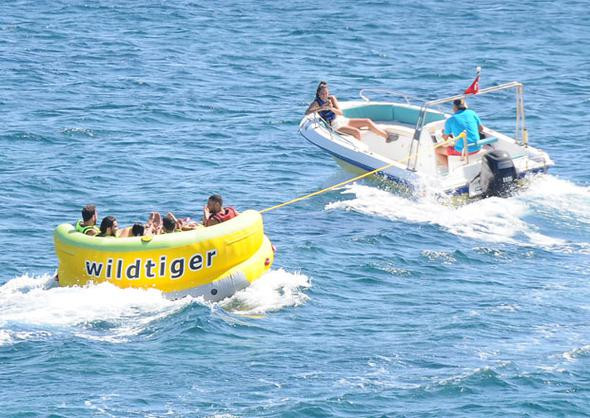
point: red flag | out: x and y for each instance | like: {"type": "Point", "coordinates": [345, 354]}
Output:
{"type": "Point", "coordinates": [474, 87]}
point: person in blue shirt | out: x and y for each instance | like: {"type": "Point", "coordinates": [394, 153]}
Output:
{"type": "Point", "coordinates": [328, 108]}
{"type": "Point", "coordinates": [463, 120]}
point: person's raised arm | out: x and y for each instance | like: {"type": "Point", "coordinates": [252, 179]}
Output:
{"type": "Point", "coordinates": [334, 106]}
{"type": "Point", "coordinates": [206, 215]}
{"type": "Point", "coordinates": [334, 102]}
{"type": "Point", "coordinates": [313, 107]}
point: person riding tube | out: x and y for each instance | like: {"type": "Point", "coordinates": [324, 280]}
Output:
{"type": "Point", "coordinates": [87, 225]}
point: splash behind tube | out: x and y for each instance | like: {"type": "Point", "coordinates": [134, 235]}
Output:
{"type": "Point", "coordinates": [212, 262]}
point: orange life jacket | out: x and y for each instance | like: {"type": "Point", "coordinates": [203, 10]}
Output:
{"type": "Point", "coordinates": [227, 214]}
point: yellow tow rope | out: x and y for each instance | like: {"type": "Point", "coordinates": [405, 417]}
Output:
{"type": "Point", "coordinates": [327, 189]}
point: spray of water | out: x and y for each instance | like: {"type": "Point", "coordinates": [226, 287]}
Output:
{"type": "Point", "coordinates": [275, 291]}
{"type": "Point", "coordinates": [30, 309]}
{"type": "Point", "coordinates": [489, 220]}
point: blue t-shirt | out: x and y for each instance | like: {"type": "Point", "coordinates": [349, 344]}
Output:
{"type": "Point", "coordinates": [464, 120]}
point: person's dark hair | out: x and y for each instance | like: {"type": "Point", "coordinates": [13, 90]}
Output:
{"type": "Point", "coordinates": [137, 230]}
{"type": "Point", "coordinates": [460, 104]}
{"type": "Point", "coordinates": [88, 212]}
{"type": "Point", "coordinates": [320, 87]}
{"type": "Point", "coordinates": [107, 222]}
{"type": "Point", "coordinates": [216, 198]}
{"type": "Point", "coordinates": [168, 224]}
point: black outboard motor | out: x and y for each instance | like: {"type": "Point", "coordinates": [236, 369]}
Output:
{"type": "Point", "coordinates": [497, 174]}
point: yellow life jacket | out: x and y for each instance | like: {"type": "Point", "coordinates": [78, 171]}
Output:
{"type": "Point", "coordinates": [84, 229]}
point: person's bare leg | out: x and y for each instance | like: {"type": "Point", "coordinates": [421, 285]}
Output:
{"type": "Point", "coordinates": [442, 157]}
{"type": "Point", "coordinates": [351, 131]}
{"type": "Point", "coordinates": [361, 123]}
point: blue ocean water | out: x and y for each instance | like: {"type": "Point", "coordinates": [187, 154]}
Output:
{"type": "Point", "coordinates": [377, 304]}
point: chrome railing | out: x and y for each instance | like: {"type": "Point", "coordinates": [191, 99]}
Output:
{"type": "Point", "coordinates": [520, 134]}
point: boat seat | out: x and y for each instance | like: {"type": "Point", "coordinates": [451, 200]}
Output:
{"type": "Point", "coordinates": [456, 161]}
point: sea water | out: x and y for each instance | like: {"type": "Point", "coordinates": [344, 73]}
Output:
{"type": "Point", "coordinates": [378, 304]}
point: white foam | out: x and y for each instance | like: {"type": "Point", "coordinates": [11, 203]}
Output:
{"type": "Point", "coordinates": [27, 303]}
{"type": "Point", "coordinates": [574, 354]}
{"type": "Point", "coordinates": [5, 338]}
{"type": "Point", "coordinates": [274, 291]}
{"type": "Point", "coordinates": [560, 197]}
{"type": "Point", "coordinates": [491, 220]}
{"type": "Point", "coordinates": [8, 337]}
{"type": "Point", "coordinates": [30, 309]}
{"type": "Point", "coordinates": [222, 416]}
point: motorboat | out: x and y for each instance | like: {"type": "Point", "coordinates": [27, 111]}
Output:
{"type": "Point", "coordinates": [411, 160]}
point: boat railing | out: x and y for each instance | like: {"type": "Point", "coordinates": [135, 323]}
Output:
{"type": "Point", "coordinates": [520, 129]}
{"type": "Point", "coordinates": [408, 98]}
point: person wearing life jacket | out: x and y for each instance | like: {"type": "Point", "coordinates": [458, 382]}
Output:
{"type": "Point", "coordinates": [329, 110]}
{"type": "Point", "coordinates": [109, 227]}
{"type": "Point", "coordinates": [87, 225]}
{"type": "Point", "coordinates": [214, 213]}
{"type": "Point", "coordinates": [463, 120]}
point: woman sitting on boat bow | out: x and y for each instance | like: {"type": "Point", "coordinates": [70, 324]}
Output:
{"type": "Point", "coordinates": [329, 110]}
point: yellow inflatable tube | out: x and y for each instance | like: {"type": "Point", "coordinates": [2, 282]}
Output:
{"type": "Point", "coordinates": [212, 262]}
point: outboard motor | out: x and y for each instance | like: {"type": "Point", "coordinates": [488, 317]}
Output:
{"type": "Point", "coordinates": [497, 173]}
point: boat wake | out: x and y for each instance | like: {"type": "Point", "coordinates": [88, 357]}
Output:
{"type": "Point", "coordinates": [31, 309]}
{"type": "Point", "coordinates": [274, 291]}
{"type": "Point", "coordinates": [548, 214]}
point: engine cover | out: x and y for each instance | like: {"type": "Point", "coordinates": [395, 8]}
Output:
{"type": "Point", "coordinates": [497, 173]}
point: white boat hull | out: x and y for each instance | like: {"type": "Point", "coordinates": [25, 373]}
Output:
{"type": "Point", "coordinates": [417, 171]}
